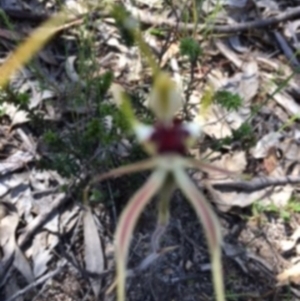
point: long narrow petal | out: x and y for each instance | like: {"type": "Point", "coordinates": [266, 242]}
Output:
{"type": "Point", "coordinates": [210, 224]}
{"type": "Point", "coordinates": [127, 169]}
{"type": "Point", "coordinates": [196, 164]}
{"type": "Point", "coordinates": [127, 222]}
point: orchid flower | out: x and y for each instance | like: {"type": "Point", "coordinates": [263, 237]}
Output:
{"type": "Point", "coordinates": [167, 143]}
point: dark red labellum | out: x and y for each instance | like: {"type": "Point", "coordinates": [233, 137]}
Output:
{"type": "Point", "coordinates": [170, 138]}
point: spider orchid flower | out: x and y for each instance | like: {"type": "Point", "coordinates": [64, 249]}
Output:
{"type": "Point", "coordinates": [167, 142]}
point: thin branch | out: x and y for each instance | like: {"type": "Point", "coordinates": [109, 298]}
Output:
{"type": "Point", "coordinates": [256, 184]}
{"type": "Point", "coordinates": [157, 20]}
{"type": "Point", "coordinates": [42, 219]}
{"type": "Point", "coordinates": [41, 280]}
{"type": "Point", "coordinates": [150, 19]}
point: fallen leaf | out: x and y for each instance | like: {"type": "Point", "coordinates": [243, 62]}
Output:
{"type": "Point", "coordinates": [270, 161]}
{"type": "Point", "coordinates": [17, 160]}
{"type": "Point", "coordinates": [40, 262]}
{"type": "Point", "coordinates": [93, 250]}
{"type": "Point", "coordinates": [16, 115]}
{"type": "Point", "coordinates": [235, 162]}
{"type": "Point", "coordinates": [265, 144]}
{"type": "Point", "coordinates": [71, 70]}
{"type": "Point", "coordinates": [282, 98]}
{"type": "Point", "coordinates": [11, 288]}
{"type": "Point", "coordinates": [226, 200]}
{"type": "Point", "coordinates": [249, 83]}
{"type": "Point", "coordinates": [289, 275]}
{"type": "Point", "coordinates": [40, 253]}
{"type": "Point", "coordinates": [8, 226]}
{"type": "Point", "coordinates": [288, 245]}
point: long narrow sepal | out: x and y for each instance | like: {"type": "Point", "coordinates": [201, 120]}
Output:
{"type": "Point", "coordinates": [127, 222]}
{"type": "Point", "coordinates": [196, 164]}
{"type": "Point", "coordinates": [127, 169]}
{"type": "Point", "coordinates": [210, 225]}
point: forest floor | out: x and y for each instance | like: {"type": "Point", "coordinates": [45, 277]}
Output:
{"type": "Point", "coordinates": [60, 126]}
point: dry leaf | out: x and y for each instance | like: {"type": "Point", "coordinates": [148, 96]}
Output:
{"type": "Point", "coordinates": [40, 262]}
{"type": "Point", "coordinates": [8, 226]}
{"type": "Point", "coordinates": [226, 200]}
{"type": "Point", "coordinates": [282, 98]}
{"type": "Point", "coordinates": [11, 288]}
{"type": "Point", "coordinates": [249, 83]}
{"type": "Point", "coordinates": [291, 274]}
{"type": "Point", "coordinates": [270, 161]}
{"type": "Point", "coordinates": [93, 251]}
{"type": "Point", "coordinates": [21, 263]}
{"type": "Point", "coordinates": [287, 245]}
{"type": "Point", "coordinates": [71, 70]}
{"type": "Point", "coordinates": [263, 145]}
{"type": "Point", "coordinates": [235, 162]}
{"type": "Point", "coordinates": [16, 115]}
{"type": "Point", "coordinates": [40, 253]}
{"type": "Point", "coordinates": [15, 161]}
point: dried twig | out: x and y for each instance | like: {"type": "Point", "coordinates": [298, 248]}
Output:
{"type": "Point", "coordinates": [160, 21]}
{"type": "Point", "coordinates": [157, 20]}
{"type": "Point", "coordinates": [38, 282]}
{"type": "Point", "coordinates": [256, 184]}
{"type": "Point", "coordinates": [41, 220]}
{"type": "Point", "coordinates": [287, 50]}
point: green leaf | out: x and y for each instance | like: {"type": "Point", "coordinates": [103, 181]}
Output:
{"type": "Point", "coordinates": [128, 221]}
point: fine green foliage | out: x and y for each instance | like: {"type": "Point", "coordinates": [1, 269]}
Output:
{"type": "Point", "coordinates": [284, 213]}
{"type": "Point", "coordinates": [228, 100]}
{"type": "Point", "coordinates": [120, 15]}
{"type": "Point", "coordinates": [243, 135]}
{"type": "Point", "coordinates": [191, 48]}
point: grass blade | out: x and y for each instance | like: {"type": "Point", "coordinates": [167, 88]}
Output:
{"type": "Point", "coordinates": [127, 222]}
{"type": "Point", "coordinates": [210, 225]}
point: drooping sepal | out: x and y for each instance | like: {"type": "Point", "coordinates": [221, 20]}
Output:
{"type": "Point", "coordinates": [128, 221]}
{"type": "Point", "coordinates": [210, 224]}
